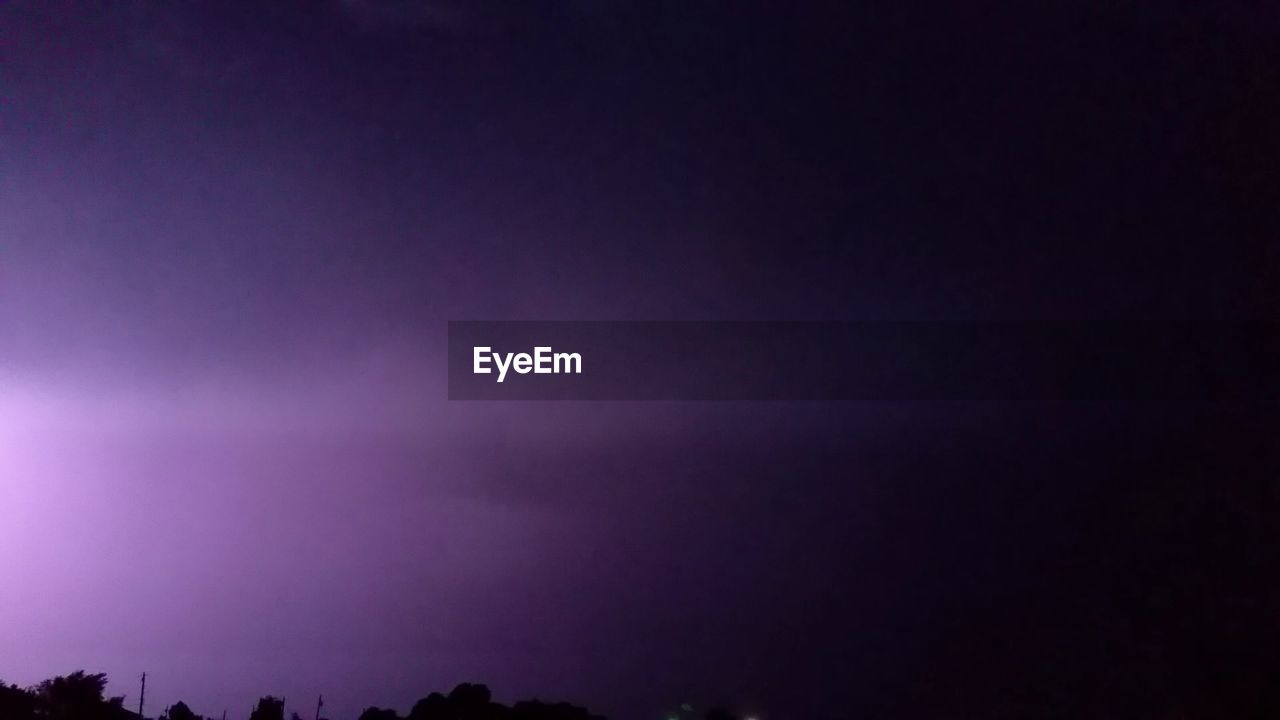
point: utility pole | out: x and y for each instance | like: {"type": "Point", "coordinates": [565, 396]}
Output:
{"type": "Point", "coordinates": [142, 696]}
{"type": "Point", "coordinates": [319, 703]}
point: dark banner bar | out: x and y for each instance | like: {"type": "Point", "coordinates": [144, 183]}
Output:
{"type": "Point", "coordinates": [555, 360]}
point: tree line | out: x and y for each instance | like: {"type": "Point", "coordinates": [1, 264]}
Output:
{"type": "Point", "coordinates": [81, 696]}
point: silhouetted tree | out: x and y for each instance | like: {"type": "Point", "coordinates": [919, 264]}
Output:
{"type": "Point", "coordinates": [180, 711]}
{"type": "Point", "coordinates": [432, 707]}
{"type": "Point", "coordinates": [538, 710]}
{"type": "Point", "coordinates": [470, 697]}
{"type": "Point", "coordinates": [16, 702]}
{"type": "Point", "coordinates": [269, 708]}
{"type": "Point", "coordinates": [77, 696]}
{"type": "Point", "coordinates": [377, 713]}
{"type": "Point", "coordinates": [468, 701]}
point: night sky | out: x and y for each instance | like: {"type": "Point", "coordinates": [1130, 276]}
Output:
{"type": "Point", "coordinates": [231, 237]}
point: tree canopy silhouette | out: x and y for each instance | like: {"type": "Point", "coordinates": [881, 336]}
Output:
{"type": "Point", "coordinates": [79, 696]}
{"type": "Point", "coordinates": [269, 708]}
{"type": "Point", "coordinates": [180, 711]}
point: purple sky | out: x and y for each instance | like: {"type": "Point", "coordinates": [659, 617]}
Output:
{"type": "Point", "coordinates": [230, 239]}
{"type": "Point", "coordinates": [227, 458]}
